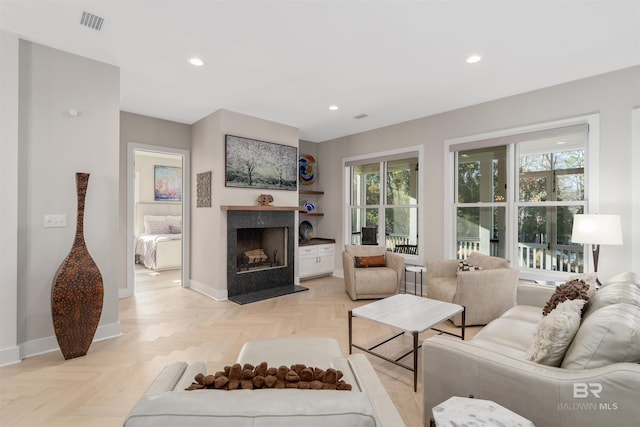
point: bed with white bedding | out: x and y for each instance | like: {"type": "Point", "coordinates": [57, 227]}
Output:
{"type": "Point", "coordinates": [158, 241]}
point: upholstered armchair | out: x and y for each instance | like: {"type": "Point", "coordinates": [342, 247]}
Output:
{"type": "Point", "coordinates": [486, 293]}
{"type": "Point", "coordinates": [378, 274]}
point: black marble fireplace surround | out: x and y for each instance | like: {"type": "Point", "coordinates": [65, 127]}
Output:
{"type": "Point", "coordinates": [246, 286]}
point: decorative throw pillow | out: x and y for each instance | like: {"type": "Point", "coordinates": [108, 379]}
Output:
{"type": "Point", "coordinates": [370, 261]}
{"type": "Point", "coordinates": [591, 279]}
{"type": "Point", "coordinates": [555, 333]}
{"type": "Point", "coordinates": [175, 229]}
{"type": "Point", "coordinates": [465, 266]}
{"type": "Point", "coordinates": [573, 289]}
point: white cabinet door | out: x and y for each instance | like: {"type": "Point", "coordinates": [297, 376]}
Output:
{"type": "Point", "coordinates": [307, 260]}
{"type": "Point", "coordinates": [315, 260]}
{"type": "Point", "coordinates": [326, 259]}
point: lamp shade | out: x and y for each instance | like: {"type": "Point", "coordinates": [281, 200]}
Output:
{"type": "Point", "coordinates": [597, 229]}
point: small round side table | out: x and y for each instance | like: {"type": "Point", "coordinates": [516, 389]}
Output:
{"type": "Point", "coordinates": [459, 411]}
{"type": "Point", "coordinates": [415, 269]}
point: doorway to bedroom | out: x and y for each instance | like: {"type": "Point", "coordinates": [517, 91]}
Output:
{"type": "Point", "coordinates": [157, 205]}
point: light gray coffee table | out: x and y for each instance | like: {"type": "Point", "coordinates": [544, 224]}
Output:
{"type": "Point", "coordinates": [410, 314]}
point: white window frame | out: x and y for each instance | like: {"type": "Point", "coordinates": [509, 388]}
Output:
{"type": "Point", "coordinates": [346, 192]}
{"type": "Point", "coordinates": [592, 190]}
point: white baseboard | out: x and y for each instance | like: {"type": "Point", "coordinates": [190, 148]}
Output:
{"type": "Point", "coordinates": [10, 356]}
{"type": "Point", "coordinates": [48, 344]}
{"type": "Point", "coordinates": [216, 294]}
{"type": "Point", "coordinates": [125, 293]}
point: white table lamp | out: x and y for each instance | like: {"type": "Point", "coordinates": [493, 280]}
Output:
{"type": "Point", "coordinates": [596, 230]}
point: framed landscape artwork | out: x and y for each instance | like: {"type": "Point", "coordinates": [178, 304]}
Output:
{"type": "Point", "coordinates": [259, 164]}
{"type": "Point", "coordinates": [167, 184]}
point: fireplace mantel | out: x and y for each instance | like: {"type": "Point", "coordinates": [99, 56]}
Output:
{"type": "Point", "coordinates": [259, 208]}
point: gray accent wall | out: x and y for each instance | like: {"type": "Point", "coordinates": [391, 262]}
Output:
{"type": "Point", "coordinates": [612, 96]}
{"type": "Point", "coordinates": [52, 146]}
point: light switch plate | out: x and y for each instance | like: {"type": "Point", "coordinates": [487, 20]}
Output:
{"type": "Point", "coordinates": [53, 221]}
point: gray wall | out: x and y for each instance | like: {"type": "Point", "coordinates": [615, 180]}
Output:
{"type": "Point", "coordinates": [9, 101]}
{"type": "Point", "coordinates": [612, 95]}
{"type": "Point", "coordinates": [53, 146]}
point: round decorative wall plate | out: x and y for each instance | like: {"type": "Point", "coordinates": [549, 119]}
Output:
{"type": "Point", "coordinates": [306, 230]}
{"type": "Point", "coordinates": [307, 169]}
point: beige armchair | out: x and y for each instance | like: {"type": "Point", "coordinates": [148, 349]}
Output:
{"type": "Point", "coordinates": [485, 293]}
{"type": "Point", "coordinates": [371, 282]}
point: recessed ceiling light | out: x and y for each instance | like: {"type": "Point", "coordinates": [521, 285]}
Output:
{"type": "Point", "coordinates": [333, 107]}
{"type": "Point", "coordinates": [197, 62]}
{"type": "Point", "coordinates": [473, 59]}
{"type": "Point", "coordinates": [561, 142]}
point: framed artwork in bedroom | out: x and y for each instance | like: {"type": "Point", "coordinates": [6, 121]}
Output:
{"type": "Point", "coordinates": [167, 184]}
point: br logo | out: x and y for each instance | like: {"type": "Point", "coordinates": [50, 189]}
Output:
{"type": "Point", "coordinates": [583, 390]}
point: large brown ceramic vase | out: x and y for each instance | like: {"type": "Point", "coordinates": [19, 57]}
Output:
{"type": "Point", "coordinates": [77, 292]}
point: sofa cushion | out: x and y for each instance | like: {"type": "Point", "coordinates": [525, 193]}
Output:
{"type": "Point", "coordinates": [511, 333]}
{"type": "Point", "coordinates": [555, 332]}
{"type": "Point", "coordinates": [609, 335]}
{"type": "Point", "coordinates": [372, 281]}
{"type": "Point", "coordinates": [253, 408]}
{"type": "Point", "coordinates": [615, 293]}
{"type": "Point", "coordinates": [486, 261]}
{"type": "Point", "coordinates": [625, 277]}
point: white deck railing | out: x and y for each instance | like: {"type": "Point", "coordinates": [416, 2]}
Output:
{"type": "Point", "coordinates": [567, 258]}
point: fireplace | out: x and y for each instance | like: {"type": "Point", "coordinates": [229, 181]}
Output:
{"type": "Point", "coordinates": [260, 254]}
{"type": "Point", "coordinates": [261, 248]}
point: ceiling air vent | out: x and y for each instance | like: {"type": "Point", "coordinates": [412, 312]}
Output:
{"type": "Point", "coordinates": [360, 116]}
{"type": "Point", "coordinates": [91, 21]}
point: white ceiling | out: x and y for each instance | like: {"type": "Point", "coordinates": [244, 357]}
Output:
{"type": "Point", "coordinates": [287, 61]}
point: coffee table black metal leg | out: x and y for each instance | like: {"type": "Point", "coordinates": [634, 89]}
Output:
{"type": "Point", "coordinates": [415, 360]}
{"type": "Point", "coordinates": [350, 330]}
{"type": "Point", "coordinates": [464, 311]}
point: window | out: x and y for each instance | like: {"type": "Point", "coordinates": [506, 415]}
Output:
{"type": "Point", "coordinates": [383, 201]}
{"type": "Point", "coordinates": [480, 212]}
{"type": "Point", "coordinates": [551, 189]}
{"type": "Point", "coordinates": [515, 195]}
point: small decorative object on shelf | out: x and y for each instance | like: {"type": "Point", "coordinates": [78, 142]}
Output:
{"type": "Point", "coordinates": [307, 169]}
{"type": "Point", "coordinates": [78, 291]}
{"type": "Point", "coordinates": [305, 230]}
{"type": "Point", "coordinates": [309, 206]}
{"type": "Point", "coordinates": [265, 199]}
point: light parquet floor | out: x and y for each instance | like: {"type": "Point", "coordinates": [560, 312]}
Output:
{"type": "Point", "coordinates": [166, 323]}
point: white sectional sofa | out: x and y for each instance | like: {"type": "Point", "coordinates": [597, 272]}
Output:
{"type": "Point", "coordinates": [166, 403]}
{"type": "Point", "coordinates": [597, 383]}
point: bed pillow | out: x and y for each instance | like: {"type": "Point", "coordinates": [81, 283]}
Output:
{"type": "Point", "coordinates": [175, 229]}
{"type": "Point", "coordinates": [555, 333]}
{"type": "Point", "coordinates": [174, 220]}
{"type": "Point", "coordinates": [155, 224]}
